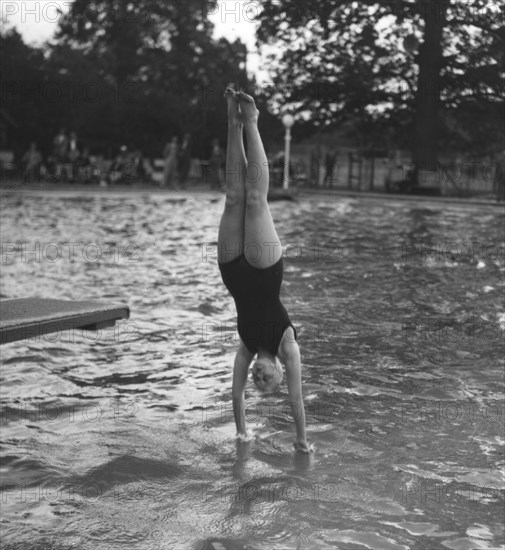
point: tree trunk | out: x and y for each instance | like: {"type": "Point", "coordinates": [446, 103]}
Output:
{"type": "Point", "coordinates": [426, 118]}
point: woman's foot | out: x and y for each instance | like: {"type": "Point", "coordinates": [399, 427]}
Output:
{"type": "Point", "coordinates": [234, 114]}
{"type": "Point", "coordinates": [248, 108]}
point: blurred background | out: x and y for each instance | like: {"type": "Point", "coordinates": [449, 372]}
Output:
{"type": "Point", "coordinates": [391, 95]}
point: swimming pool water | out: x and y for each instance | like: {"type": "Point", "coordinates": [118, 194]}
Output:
{"type": "Point", "coordinates": [125, 438]}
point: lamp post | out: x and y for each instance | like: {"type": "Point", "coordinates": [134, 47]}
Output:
{"type": "Point", "coordinates": [288, 121]}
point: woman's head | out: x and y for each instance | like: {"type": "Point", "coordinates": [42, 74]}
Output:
{"type": "Point", "coordinates": [267, 373]}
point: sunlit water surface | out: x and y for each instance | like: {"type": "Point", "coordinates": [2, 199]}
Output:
{"type": "Point", "coordinates": [125, 438]}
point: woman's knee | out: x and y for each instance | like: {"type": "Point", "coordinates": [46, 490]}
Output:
{"type": "Point", "coordinates": [234, 200]}
{"type": "Point", "coordinates": [256, 200]}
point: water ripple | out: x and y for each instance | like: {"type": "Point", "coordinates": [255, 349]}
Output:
{"type": "Point", "coordinates": [125, 437]}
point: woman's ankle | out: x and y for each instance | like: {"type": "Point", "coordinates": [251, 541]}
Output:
{"type": "Point", "coordinates": [251, 124]}
{"type": "Point", "coordinates": [234, 126]}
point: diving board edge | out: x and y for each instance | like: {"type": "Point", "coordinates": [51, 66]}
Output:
{"type": "Point", "coordinates": [102, 315]}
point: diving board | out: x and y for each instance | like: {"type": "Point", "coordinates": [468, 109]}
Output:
{"type": "Point", "coordinates": [24, 318]}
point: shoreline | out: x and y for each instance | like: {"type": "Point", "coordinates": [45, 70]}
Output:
{"type": "Point", "coordinates": [183, 193]}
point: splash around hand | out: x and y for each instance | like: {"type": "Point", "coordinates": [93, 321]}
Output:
{"type": "Point", "coordinates": [303, 447]}
{"type": "Point", "coordinates": [246, 438]}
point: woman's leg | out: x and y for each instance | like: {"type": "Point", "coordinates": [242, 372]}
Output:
{"type": "Point", "coordinates": [231, 228]}
{"type": "Point", "coordinates": [262, 247]}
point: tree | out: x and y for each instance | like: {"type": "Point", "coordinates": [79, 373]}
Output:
{"type": "Point", "coordinates": [123, 73]}
{"type": "Point", "coordinates": [158, 56]}
{"type": "Point", "coordinates": [342, 62]}
{"type": "Point", "coordinates": [21, 76]}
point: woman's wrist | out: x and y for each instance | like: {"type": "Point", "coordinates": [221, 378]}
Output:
{"type": "Point", "coordinates": [302, 446]}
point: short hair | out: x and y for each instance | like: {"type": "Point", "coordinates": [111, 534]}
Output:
{"type": "Point", "coordinates": [277, 368]}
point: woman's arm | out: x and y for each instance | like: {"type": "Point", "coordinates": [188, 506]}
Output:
{"type": "Point", "coordinates": [289, 352]}
{"type": "Point", "coordinates": [243, 360]}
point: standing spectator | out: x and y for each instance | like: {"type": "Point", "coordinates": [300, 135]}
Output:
{"type": "Point", "coordinates": [60, 151]}
{"type": "Point", "coordinates": [315, 161]}
{"type": "Point", "coordinates": [84, 172]}
{"type": "Point", "coordinates": [312, 166]}
{"type": "Point", "coordinates": [184, 159]}
{"type": "Point", "coordinates": [170, 156]}
{"type": "Point", "coordinates": [73, 153]}
{"type": "Point", "coordinates": [120, 169]}
{"type": "Point", "coordinates": [32, 161]}
{"type": "Point", "coordinates": [329, 163]}
{"type": "Point", "coordinates": [142, 168]}
{"type": "Point", "coordinates": [278, 169]}
{"type": "Point", "coordinates": [73, 150]}
{"type": "Point", "coordinates": [216, 164]}
{"type": "Point", "coordinates": [499, 177]}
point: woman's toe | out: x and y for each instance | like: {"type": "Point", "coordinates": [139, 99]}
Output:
{"type": "Point", "coordinates": [246, 97]}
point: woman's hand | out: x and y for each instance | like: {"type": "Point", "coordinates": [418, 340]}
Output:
{"type": "Point", "coordinates": [302, 447]}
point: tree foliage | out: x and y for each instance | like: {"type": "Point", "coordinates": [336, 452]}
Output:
{"type": "Point", "coordinates": [342, 64]}
{"type": "Point", "coordinates": [127, 73]}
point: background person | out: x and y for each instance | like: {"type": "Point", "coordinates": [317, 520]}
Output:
{"type": "Point", "coordinates": [216, 164]}
{"type": "Point", "coordinates": [60, 153]}
{"type": "Point", "coordinates": [170, 154]}
{"type": "Point", "coordinates": [32, 162]}
{"type": "Point", "coordinates": [184, 159]}
{"type": "Point", "coordinates": [329, 165]}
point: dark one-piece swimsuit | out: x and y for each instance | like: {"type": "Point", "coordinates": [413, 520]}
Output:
{"type": "Point", "coordinates": [261, 317]}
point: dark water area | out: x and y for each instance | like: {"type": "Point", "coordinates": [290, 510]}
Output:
{"type": "Point", "coordinates": [125, 438]}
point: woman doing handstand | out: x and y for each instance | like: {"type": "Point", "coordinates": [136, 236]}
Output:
{"type": "Point", "coordinates": [250, 261]}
